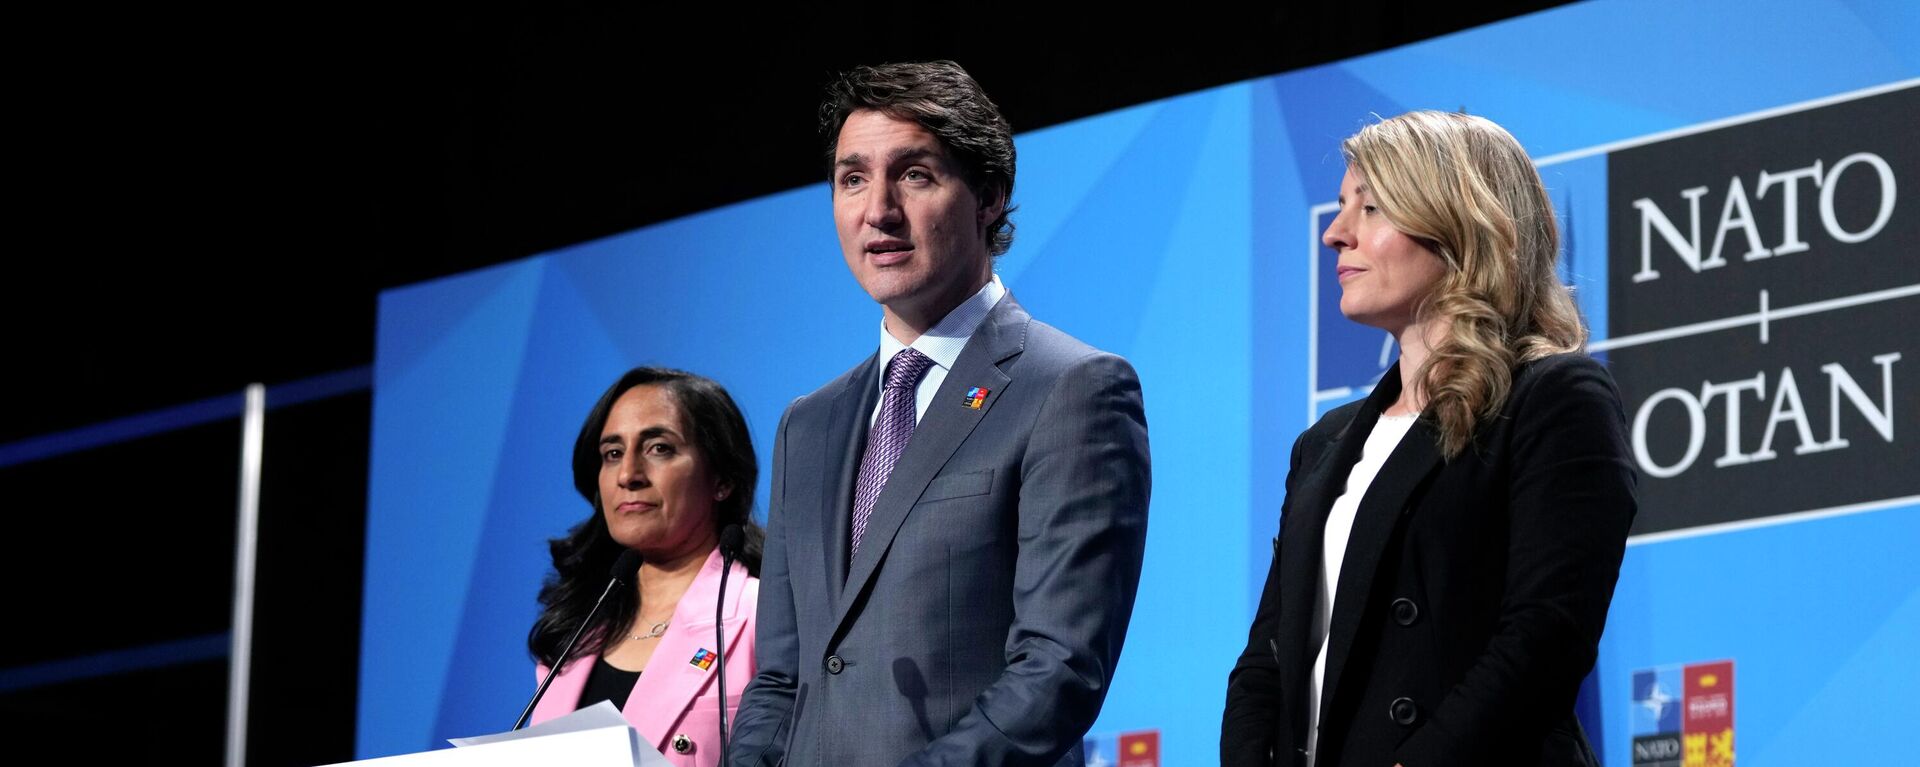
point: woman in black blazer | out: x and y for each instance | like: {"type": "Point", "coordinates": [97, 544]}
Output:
{"type": "Point", "coordinates": [1448, 546]}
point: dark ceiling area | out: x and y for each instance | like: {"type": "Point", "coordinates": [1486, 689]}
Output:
{"type": "Point", "coordinates": [205, 199]}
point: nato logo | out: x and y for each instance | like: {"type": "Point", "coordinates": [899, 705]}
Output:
{"type": "Point", "coordinates": [1656, 701]}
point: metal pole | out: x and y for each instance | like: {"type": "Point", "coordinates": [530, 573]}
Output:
{"type": "Point", "coordinates": [246, 541]}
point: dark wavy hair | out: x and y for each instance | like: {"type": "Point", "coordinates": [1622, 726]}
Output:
{"type": "Point", "coordinates": [583, 557]}
{"type": "Point", "coordinates": [946, 101]}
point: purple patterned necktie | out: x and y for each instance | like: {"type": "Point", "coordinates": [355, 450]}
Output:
{"type": "Point", "coordinates": [889, 436]}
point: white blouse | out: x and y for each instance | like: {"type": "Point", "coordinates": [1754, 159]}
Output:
{"type": "Point", "coordinates": [1386, 435]}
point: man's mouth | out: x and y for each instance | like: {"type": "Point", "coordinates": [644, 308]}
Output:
{"type": "Point", "coordinates": [889, 252]}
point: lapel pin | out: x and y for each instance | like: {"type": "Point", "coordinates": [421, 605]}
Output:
{"type": "Point", "coordinates": [702, 660]}
{"type": "Point", "coordinates": [976, 397]}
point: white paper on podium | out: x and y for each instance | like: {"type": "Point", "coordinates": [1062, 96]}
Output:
{"type": "Point", "coordinates": [587, 738]}
{"type": "Point", "coordinates": [593, 717]}
{"type": "Point", "coordinates": [599, 716]}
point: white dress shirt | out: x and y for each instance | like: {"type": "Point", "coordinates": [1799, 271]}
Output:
{"type": "Point", "coordinates": [941, 343]}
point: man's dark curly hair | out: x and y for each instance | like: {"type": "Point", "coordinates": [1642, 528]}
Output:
{"type": "Point", "coordinates": [944, 100]}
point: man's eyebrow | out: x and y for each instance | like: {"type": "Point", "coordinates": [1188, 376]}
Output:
{"type": "Point", "coordinates": [857, 159]}
{"type": "Point", "coordinates": [910, 153]}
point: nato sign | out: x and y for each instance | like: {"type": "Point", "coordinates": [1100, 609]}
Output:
{"type": "Point", "coordinates": [1762, 280]}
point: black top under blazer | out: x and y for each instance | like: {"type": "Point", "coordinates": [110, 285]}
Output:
{"type": "Point", "coordinates": [1473, 593]}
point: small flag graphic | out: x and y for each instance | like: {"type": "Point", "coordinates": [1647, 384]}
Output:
{"type": "Point", "coordinates": [1140, 749]}
{"type": "Point", "coordinates": [1706, 717]}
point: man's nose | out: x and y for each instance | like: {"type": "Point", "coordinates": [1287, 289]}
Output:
{"type": "Point", "coordinates": [883, 206]}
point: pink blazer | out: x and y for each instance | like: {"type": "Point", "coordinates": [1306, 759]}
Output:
{"type": "Point", "coordinates": [675, 696]}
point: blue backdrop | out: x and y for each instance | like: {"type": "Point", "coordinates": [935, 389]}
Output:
{"type": "Point", "coordinates": [1184, 235]}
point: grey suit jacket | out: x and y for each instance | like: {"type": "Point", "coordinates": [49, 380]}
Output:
{"type": "Point", "coordinates": [982, 619]}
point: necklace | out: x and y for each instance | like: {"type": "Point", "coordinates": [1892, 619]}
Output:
{"type": "Point", "coordinates": [652, 633]}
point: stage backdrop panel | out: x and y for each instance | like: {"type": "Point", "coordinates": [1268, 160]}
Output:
{"type": "Point", "coordinates": [1736, 185]}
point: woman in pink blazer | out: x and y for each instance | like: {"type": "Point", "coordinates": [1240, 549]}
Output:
{"type": "Point", "coordinates": [666, 462]}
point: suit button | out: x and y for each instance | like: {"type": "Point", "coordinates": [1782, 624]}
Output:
{"type": "Point", "coordinates": [1403, 711]}
{"type": "Point", "coordinates": [834, 664]}
{"type": "Point", "coordinates": [1405, 612]}
{"type": "Point", "coordinates": [682, 744]}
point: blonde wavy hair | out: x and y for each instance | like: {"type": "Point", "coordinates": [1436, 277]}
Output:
{"type": "Point", "coordinates": [1465, 189]}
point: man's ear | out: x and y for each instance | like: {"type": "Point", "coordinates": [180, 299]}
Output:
{"type": "Point", "coordinates": [991, 205]}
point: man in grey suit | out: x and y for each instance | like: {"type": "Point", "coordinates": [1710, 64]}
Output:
{"type": "Point", "coordinates": [956, 524]}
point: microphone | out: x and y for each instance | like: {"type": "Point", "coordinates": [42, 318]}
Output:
{"type": "Point", "coordinates": [731, 539]}
{"type": "Point", "coordinates": [623, 570]}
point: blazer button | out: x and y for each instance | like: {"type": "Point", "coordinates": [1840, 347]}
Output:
{"type": "Point", "coordinates": [1405, 612]}
{"type": "Point", "coordinates": [1403, 711]}
{"type": "Point", "coordinates": [682, 744]}
{"type": "Point", "coordinates": [834, 664]}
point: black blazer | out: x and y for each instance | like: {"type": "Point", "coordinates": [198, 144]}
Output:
{"type": "Point", "coordinates": [1473, 592]}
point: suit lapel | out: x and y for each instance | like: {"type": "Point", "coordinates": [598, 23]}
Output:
{"type": "Point", "coordinates": [1301, 541]}
{"type": "Point", "coordinates": [563, 696]}
{"type": "Point", "coordinates": [672, 679]}
{"type": "Point", "coordinates": [940, 432]}
{"type": "Point", "coordinates": [845, 440]}
{"type": "Point", "coordinates": [1381, 509]}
